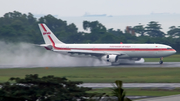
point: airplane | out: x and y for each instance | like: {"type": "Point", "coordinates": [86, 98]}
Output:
{"type": "Point", "coordinates": [108, 52]}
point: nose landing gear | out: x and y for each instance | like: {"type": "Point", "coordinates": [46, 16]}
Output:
{"type": "Point", "coordinates": [161, 60]}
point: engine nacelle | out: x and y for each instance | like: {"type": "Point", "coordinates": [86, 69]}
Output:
{"type": "Point", "coordinates": [110, 58]}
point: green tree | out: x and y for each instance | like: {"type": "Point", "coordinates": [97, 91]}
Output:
{"type": "Point", "coordinates": [174, 31]}
{"type": "Point", "coordinates": [46, 88]}
{"type": "Point", "coordinates": [31, 18]}
{"type": "Point", "coordinates": [17, 27]}
{"type": "Point", "coordinates": [96, 30]}
{"type": "Point", "coordinates": [119, 92]}
{"type": "Point", "coordinates": [94, 26]}
{"type": "Point", "coordinates": [153, 29]}
{"type": "Point", "coordinates": [139, 29]}
{"type": "Point", "coordinates": [108, 38]}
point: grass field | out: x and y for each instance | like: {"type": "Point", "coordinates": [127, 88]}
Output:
{"type": "Point", "coordinates": [172, 58]}
{"type": "Point", "coordinates": [100, 74]}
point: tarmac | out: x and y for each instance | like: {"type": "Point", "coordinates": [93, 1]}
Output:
{"type": "Point", "coordinates": [144, 65]}
{"type": "Point", "coordinates": [151, 64]}
{"type": "Point", "coordinates": [164, 98]}
{"type": "Point", "coordinates": [134, 85]}
{"type": "Point", "coordinates": [167, 86]}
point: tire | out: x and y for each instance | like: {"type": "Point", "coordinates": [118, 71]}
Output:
{"type": "Point", "coordinates": [160, 62]}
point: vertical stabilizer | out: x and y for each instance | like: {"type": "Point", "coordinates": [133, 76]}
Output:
{"type": "Point", "coordinates": [47, 34]}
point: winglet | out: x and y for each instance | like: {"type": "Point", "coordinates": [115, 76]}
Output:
{"type": "Point", "coordinates": [46, 33]}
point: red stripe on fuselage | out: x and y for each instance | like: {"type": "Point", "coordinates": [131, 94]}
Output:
{"type": "Point", "coordinates": [111, 49]}
{"type": "Point", "coordinates": [124, 49]}
{"type": "Point", "coordinates": [43, 27]}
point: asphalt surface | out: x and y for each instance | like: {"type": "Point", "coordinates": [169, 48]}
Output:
{"type": "Point", "coordinates": [164, 98]}
{"type": "Point", "coordinates": [151, 64]}
{"type": "Point", "coordinates": [134, 85]}
{"type": "Point", "coordinates": [167, 86]}
{"type": "Point", "coordinates": [145, 64]}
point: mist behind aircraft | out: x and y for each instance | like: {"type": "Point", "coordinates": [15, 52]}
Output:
{"type": "Point", "coordinates": [27, 55]}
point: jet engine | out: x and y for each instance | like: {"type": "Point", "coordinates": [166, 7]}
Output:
{"type": "Point", "coordinates": [110, 58]}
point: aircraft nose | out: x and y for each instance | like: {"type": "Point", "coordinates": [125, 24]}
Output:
{"type": "Point", "coordinates": [173, 51]}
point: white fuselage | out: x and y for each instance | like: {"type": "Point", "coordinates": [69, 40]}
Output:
{"type": "Point", "coordinates": [131, 50]}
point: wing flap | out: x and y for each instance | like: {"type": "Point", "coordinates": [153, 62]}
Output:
{"type": "Point", "coordinates": [93, 53]}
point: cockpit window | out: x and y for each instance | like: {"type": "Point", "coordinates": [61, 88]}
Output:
{"type": "Point", "coordinates": [169, 48]}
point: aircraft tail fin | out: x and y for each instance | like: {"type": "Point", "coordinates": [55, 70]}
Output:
{"type": "Point", "coordinates": [48, 36]}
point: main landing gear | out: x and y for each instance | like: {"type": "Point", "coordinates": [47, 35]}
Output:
{"type": "Point", "coordinates": [161, 61]}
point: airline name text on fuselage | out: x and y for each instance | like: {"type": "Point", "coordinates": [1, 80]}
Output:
{"type": "Point", "coordinates": [44, 33]}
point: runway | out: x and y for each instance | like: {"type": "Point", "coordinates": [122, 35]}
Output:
{"type": "Point", "coordinates": [144, 65]}
{"type": "Point", "coordinates": [165, 86]}
{"type": "Point", "coordinates": [134, 85]}
{"type": "Point", "coordinates": [151, 64]}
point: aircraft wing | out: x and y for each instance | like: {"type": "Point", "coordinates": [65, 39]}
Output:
{"type": "Point", "coordinates": [93, 53]}
{"type": "Point", "coordinates": [76, 52]}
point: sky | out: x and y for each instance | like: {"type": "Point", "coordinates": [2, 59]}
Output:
{"type": "Point", "coordinates": [69, 10]}
{"type": "Point", "coordinates": [66, 8]}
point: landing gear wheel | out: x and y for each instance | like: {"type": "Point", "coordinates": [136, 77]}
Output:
{"type": "Point", "coordinates": [161, 62]}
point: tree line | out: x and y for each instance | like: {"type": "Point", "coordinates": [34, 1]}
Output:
{"type": "Point", "coordinates": [51, 88]}
{"type": "Point", "coordinates": [18, 27]}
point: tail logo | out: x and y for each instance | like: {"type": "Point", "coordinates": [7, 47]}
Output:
{"type": "Point", "coordinates": [46, 33]}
